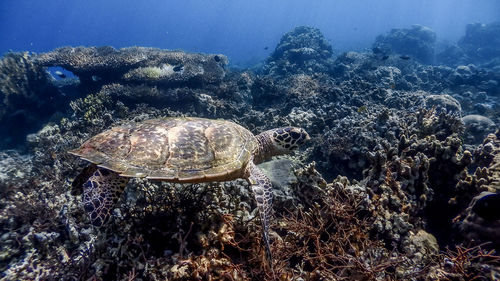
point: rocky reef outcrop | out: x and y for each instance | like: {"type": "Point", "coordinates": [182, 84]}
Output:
{"type": "Point", "coordinates": [28, 99]}
{"type": "Point", "coordinates": [481, 41]}
{"type": "Point", "coordinates": [479, 46]}
{"type": "Point", "coordinates": [302, 50]}
{"type": "Point", "coordinates": [416, 42]}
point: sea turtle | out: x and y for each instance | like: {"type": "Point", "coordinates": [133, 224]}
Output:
{"type": "Point", "coordinates": [182, 150]}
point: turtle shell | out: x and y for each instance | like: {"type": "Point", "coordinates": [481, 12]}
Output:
{"type": "Point", "coordinates": [173, 149]}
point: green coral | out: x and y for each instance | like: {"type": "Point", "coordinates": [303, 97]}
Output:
{"type": "Point", "coordinates": [151, 72]}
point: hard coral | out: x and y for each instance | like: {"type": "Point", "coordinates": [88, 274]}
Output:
{"type": "Point", "coordinates": [136, 64]}
{"type": "Point", "coordinates": [416, 179]}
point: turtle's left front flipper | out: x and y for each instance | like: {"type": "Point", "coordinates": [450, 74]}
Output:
{"type": "Point", "coordinates": [100, 194]}
{"type": "Point", "coordinates": [262, 189]}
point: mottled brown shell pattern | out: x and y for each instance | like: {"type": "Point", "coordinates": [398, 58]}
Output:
{"type": "Point", "coordinates": [173, 149]}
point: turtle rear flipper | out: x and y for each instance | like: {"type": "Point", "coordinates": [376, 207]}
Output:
{"type": "Point", "coordinates": [100, 194]}
{"type": "Point", "coordinates": [262, 189]}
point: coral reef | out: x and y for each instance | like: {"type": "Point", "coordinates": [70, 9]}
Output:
{"type": "Point", "coordinates": [31, 97]}
{"type": "Point", "coordinates": [390, 187]}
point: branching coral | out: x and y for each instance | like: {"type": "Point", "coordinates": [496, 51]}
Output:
{"type": "Point", "coordinates": [466, 264]}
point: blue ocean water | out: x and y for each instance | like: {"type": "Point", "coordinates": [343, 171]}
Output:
{"type": "Point", "coordinates": [246, 31]}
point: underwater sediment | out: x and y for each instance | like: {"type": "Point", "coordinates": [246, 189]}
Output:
{"type": "Point", "coordinates": [400, 180]}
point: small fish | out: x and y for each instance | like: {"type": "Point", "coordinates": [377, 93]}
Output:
{"type": "Point", "coordinates": [217, 58]}
{"type": "Point", "coordinates": [60, 74]}
{"type": "Point", "coordinates": [18, 113]}
{"type": "Point", "coordinates": [384, 57]}
{"type": "Point", "coordinates": [178, 68]}
{"type": "Point", "coordinates": [96, 78]}
{"type": "Point", "coordinates": [393, 86]}
{"type": "Point", "coordinates": [404, 57]}
{"type": "Point", "coordinates": [362, 109]}
{"type": "Point", "coordinates": [266, 47]}
{"type": "Point", "coordinates": [377, 50]}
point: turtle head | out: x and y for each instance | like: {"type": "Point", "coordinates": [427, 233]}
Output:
{"type": "Point", "coordinates": [287, 139]}
{"type": "Point", "coordinates": [279, 141]}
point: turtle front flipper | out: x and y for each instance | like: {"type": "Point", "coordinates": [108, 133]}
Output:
{"type": "Point", "coordinates": [262, 189]}
{"type": "Point", "coordinates": [100, 193]}
{"type": "Point", "coordinates": [77, 184]}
